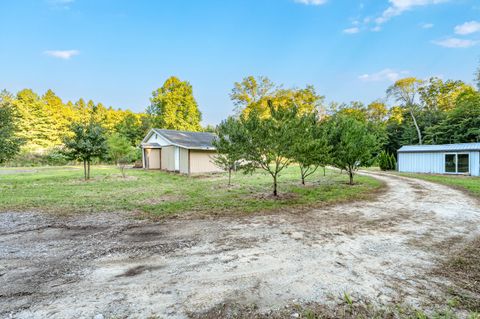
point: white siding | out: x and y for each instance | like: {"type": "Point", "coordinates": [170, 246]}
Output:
{"type": "Point", "coordinates": [177, 158]}
{"type": "Point", "coordinates": [433, 162]}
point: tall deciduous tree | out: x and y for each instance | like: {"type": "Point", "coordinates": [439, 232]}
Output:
{"type": "Point", "coordinates": [254, 94]}
{"type": "Point", "coordinates": [9, 141]}
{"type": "Point", "coordinates": [353, 145]}
{"type": "Point", "coordinates": [87, 143]}
{"type": "Point", "coordinates": [437, 95]}
{"type": "Point", "coordinates": [405, 92]}
{"type": "Point", "coordinates": [174, 107]}
{"type": "Point", "coordinates": [250, 92]}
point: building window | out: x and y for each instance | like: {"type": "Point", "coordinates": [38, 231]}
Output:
{"type": "Point", "coordinates": [463, 161]}
{"type": "Point", "coordinates": [457, 163]}
{"type": "Point", "coordinates": [450, 163]}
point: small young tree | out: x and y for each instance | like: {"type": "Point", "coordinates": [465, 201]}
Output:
{"type": "Point", "coordinates": [229, 133]}
{"type": "Point", "coordinates": [310, 149]}
{"type": "Point", "coordinates": [88, 142]}
{"type": "Point", "coordinates": [9, 142]}
{"type": "Point", "coordinates": [353, 144]}
{"type": "Point", "coordinates": [120, 151]}
{"type": "Point", "coordinates": [267, 143]}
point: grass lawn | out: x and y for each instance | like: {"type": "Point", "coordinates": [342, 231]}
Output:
{"type": "Point", "coordinates": [62, 190]}
{"type": "Point", "coordinates": [468, 183]}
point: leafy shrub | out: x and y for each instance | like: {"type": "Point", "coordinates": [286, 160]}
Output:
{"type": "Point", "coordinates": [51, 157]}
{"type": "Point", "coordinates": [386, 161]}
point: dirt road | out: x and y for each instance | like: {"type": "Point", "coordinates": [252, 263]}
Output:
{"type": "Point", "coordinates": [111, 265]}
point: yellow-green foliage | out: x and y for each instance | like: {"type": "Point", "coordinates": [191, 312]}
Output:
{"type": "Point", "coordinates": [174, 106]}
{"type": "Point", "coordinates": [45, 120]}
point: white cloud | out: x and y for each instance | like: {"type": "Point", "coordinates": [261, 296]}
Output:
{"type": "Point", "coordinates": [468, 28]}
{"type": "Point", "coordinates": [62, 54]}
{"type": "Point", "coordinates": [312, 2]}
{"type": "Point", "coordinates": [352, 30]}
{"type": "Point", "coordinates": [383, 75]}
{"type": "Point", "coordinates": [397, 7]}
{"type": "Point", "coordinates": [427, 25]}
{"type": "Point", "coordinates": [456, 43]}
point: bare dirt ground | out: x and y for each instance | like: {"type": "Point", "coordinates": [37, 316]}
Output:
{"type": "Point", "coordinates": [110, 264]}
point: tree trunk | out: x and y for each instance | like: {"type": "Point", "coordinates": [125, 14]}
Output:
{"type": "Point", "coordinates": [88, 169]}
{"type": "Point", "coordinates": [85, 169]}
{"type": "Point", "coordinates": [229, 176]}
{"type": "Point", "coordinates": [416, 126]}
{"type": "Point", "coordinates": [350, 174]}
{"type": "Point", "coordinates": [122, 169]}
{"type": "Point", "coordinates": [302, 173]}
{"type": "Point", "coordinates": [324, 173]}
{"type": "Point", "coordinates": [275, 186]}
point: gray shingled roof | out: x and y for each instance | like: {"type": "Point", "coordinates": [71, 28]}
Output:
{"type": "Point", "coordinates": [464, 147]}
{"type": "Point", "coordinates": [192, 140]}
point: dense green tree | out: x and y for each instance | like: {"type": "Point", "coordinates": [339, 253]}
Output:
{"type": "Point", "coordinates": [133, 126]}
{"type": "Point", "coordinates": [461, 124]}
{"type": "Point", "coordinates": [174, 107]}
{"type": "Point", "coordinates": [120, 151]}
{"type": "Point", "coordinates": [9, 141]}
{"type": "Point", "coordinates": [87, 143]}
{"type": "Point", "coordinates": [352, 144]}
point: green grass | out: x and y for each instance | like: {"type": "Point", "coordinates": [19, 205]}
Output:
{"type": "Point", "coordinates": [468, 183]}
{"type": "Point", "coordinates": [62, 190]}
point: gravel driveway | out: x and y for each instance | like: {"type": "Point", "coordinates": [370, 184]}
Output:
{"type": "Point", "coordinates": [85, 265]}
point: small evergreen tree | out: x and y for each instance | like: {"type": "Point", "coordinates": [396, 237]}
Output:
{"type": "Point", "coordinates": [386, 161]}
{"type": "Point", "coordinates": [87, 143]}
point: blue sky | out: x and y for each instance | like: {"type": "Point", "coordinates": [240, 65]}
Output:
{"type": "Point", "coordinates": [118, 51]}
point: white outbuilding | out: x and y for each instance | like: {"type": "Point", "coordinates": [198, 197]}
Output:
{"type": "Point", "coordinates": [459, 159]}
{"type": "Point", "coordinates": [179, 151]}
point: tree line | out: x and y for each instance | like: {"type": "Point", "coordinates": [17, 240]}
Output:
{"type": "Point", "coordinates": [271, 128]}
{"type": "Point", "coordinates": [36, 126]}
